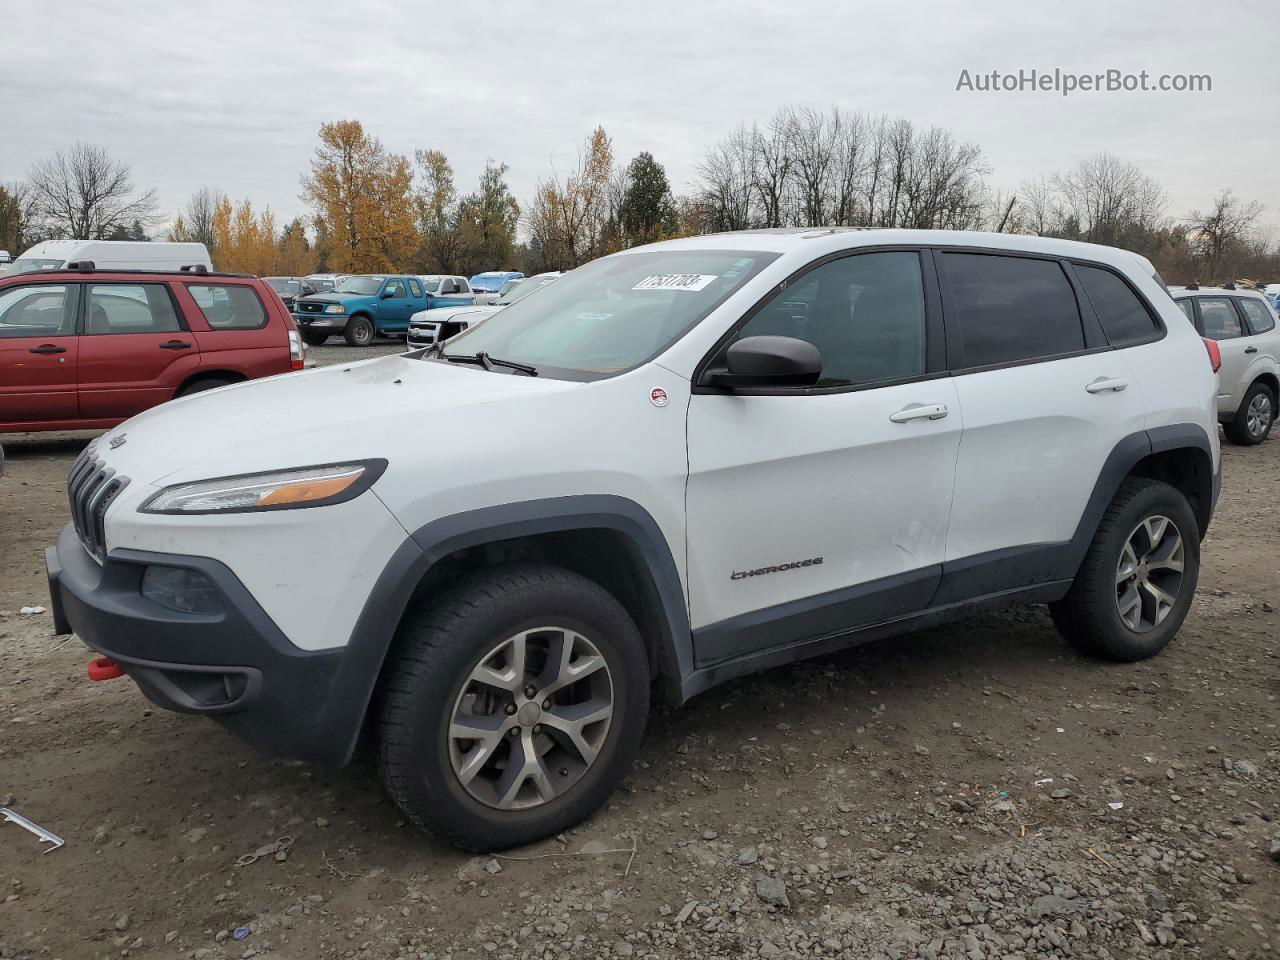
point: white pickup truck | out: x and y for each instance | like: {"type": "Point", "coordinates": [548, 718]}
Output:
{"type": "Point", "coordinates": [428, 327]}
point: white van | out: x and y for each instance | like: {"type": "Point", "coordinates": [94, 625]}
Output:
{"type": "Point", "coordinates": [112, 255]}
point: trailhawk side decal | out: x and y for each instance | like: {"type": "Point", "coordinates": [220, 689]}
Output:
{"type": "Point", "coordinates": [743, 574]}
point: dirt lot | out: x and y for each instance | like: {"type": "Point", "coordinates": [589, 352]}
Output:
{"type": "Point", "coordinates": [955, 793]}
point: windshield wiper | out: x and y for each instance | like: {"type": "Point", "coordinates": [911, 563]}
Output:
{"type": "Point", "coordinates": [483, 359]}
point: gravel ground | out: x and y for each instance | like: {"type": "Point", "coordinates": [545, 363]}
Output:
{"type": "Point", "coordinates": [973, 791]}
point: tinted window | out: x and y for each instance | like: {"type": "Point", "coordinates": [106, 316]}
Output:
{"type": "Point", "coordinates": [1221, 322]}
{"type": "Point", "coordinates": [1258, 314]}
{"type": "Point", "coordinates": [864, 313]}
{"type": "Point", "coordinates": [1012, 308]}
{"type": "Point", "coordinates": [1124, 319]}
{"type": "Point", "coordinates": [415, 287]}
{"type": "Point", "coordinates": [130, 308]}
{"type": "Point", "coordinates": [38, 311]}
{"type": "Point", "coordinates": [395, 288]}
{"type": "Point", "coordinates": [1187, 308]}
{"type": "Point", "coordinates": [228, 306]}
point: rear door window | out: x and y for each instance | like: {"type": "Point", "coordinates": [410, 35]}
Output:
{"type": "Point", "coordinates": [415, 287]}
{"type": "Point", "coordinates": [47, 310]}
{"type": "Point", "coordinates": [120, 308]}
{"type": "Point", "coordinates": [1187, 307]}
{"type": "Point", "coordinates": [1012, 309]}
{"type": "Point", "coordinates": [228, 306]}
{"type": "Point", "coordinates": [1220, 320]}
{"type": "Point", "coordinates": [1258, 314]}
{"type": "Point", "coordinates": [1125, 320]}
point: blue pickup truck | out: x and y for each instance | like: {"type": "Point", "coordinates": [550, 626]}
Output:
{"type": "Point", "coordinates": [363, 307]}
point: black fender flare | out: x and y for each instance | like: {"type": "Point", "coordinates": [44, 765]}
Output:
{"type": "Point", "coordinates": [384, 608]}
{"type": "Point", "coordinates": [1124, 456]}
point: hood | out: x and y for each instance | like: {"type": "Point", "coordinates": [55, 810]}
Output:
{"type": "Point", "coordinates": [440, 314]}
{"type": "Point", "coordinates": [334, 297]}
{"type": "Point", "coordinates": [325, 415]}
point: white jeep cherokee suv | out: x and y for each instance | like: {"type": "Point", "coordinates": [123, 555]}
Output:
{"type": "Point", "coordinates": [1242, 325]}
{"type": "Point", "coordinates": [671, 467]}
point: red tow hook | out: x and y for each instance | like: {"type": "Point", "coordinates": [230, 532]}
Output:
{"type": "Point", "coordinates": [104, 668]}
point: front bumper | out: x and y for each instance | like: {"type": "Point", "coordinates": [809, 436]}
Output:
{"type": "Point", "coordinates": [236, 666]}
{"type": "Point", "coordinates": [321, 321]}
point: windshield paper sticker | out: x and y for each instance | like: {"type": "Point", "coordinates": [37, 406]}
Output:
{"type": "Point", "coordinates": [676, 281]}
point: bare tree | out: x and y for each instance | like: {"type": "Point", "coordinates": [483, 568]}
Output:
{"type": "Point", "coordinates": [1041, 211]}
{"type": "Point", "coordinates": [728, 183]}
{"type": "Point", "coordinates": [771, 167]}
{"type": "Point", "coordinates": [83, 193]}
{"type": "Point", "coordinates": [1109, 201]}
{"type": "Point", "coordinates": [199, 213]}
{"type": "Point", "coordinates": [813, 141]}
{"type": "Point", "coordinates": [1225, 230]}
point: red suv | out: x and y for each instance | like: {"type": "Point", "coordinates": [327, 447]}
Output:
{"type": "Point", "coordinates": [82, 348]}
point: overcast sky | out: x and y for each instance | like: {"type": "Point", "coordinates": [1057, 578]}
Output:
{"type": "Point", "coordinates": [230, 94]}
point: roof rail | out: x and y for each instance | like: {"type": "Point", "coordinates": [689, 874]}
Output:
{"type": "Point", "coordinates": [194, 268]}
{"type": "Point", "coordinates": [1228, 285]}
{"type": "Point", "coordinates": [84, 266]}
{"type": "Point", "coordinates": [1192, 286]}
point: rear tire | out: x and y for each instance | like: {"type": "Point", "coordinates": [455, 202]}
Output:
{"type": "Point", "coordinates": [200, 386]}
{"type": "Point", "coordinates": [1134, 559]}
{"type": "Point", "coordinates": [313, 339]}
{"type": "Point", "coordinates": [456, 668]}
{"type": "Point", "coordinates": [1254, 418]}
{"type": "Point", "coordinates": [358, 332]}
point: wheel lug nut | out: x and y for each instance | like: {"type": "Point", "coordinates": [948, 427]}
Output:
{"type": "Point", "coordinates": [511, 709]}
{"type": "Point", "coordinates": [530, 691]}
{"type": "Point", "coordinates": [546, 704]}
{"type": "Point", "coordinates": [515, 731]}
{"type": "Point", "coordinates": [537, 728]}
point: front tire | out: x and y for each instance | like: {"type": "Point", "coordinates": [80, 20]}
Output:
{"type": "Point", "coordinates": [1137, 580]}
{"type": "Point", "coordinates": [358, 332]}
{"type": "Point", "coordinates": [513, 707]}
{"type": "Point", "coordinates": [1252, 422]}
{"type": "Point", "coordinates": [313, 339]}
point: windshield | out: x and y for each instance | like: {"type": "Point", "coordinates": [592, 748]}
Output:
{"type": "Point", "coordinates": [507, 288]}
{"type": "Point", "coordinates": [612, 314]}
{"type": "Point", "coordinates": [284, 285]}
{"type": "Point", "coordinates": [365, 286]}
{"type": "Point", "coordinates": [489, 282]}
{"type": "Point", "coordinates": [30, 264]}
{"type": "Point", "coordinates": [515, 290]}
{"type": "Point", "coordinates": [321, 285]}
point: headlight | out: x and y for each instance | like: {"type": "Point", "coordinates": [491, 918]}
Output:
{"type": "Point", "coordinates": [335, 308]}
{"type": "Point", "coordinates": [276, 490]}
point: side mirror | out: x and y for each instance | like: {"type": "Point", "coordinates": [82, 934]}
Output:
{"type": "Point", "coordinates": [388, 294]}
{"type": "Point", "coordinates": [768, 362]}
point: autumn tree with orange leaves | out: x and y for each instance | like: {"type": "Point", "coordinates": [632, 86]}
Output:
{"type": "Point", "coordinates": [363, 195]}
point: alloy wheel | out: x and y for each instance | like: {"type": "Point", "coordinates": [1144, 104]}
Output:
{"type": "Point", "coordinates": [1258, 416]}
{"type": "Point", "coordinates": [1149, 574]}
{"type": "Point", "coordinates": [532, 717]}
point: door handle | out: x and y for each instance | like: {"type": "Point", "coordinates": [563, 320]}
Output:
{"type": "Point", "coordinates": [1250, 349]}
{"type": "Point", "coordinates": [175, 345]}
{"type": "Point", "coordinates": [1107, 385]}
{"type": "Point", "coordinates": [48, 348]}
{"type": "Point", "coordinates": [920, 411]}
